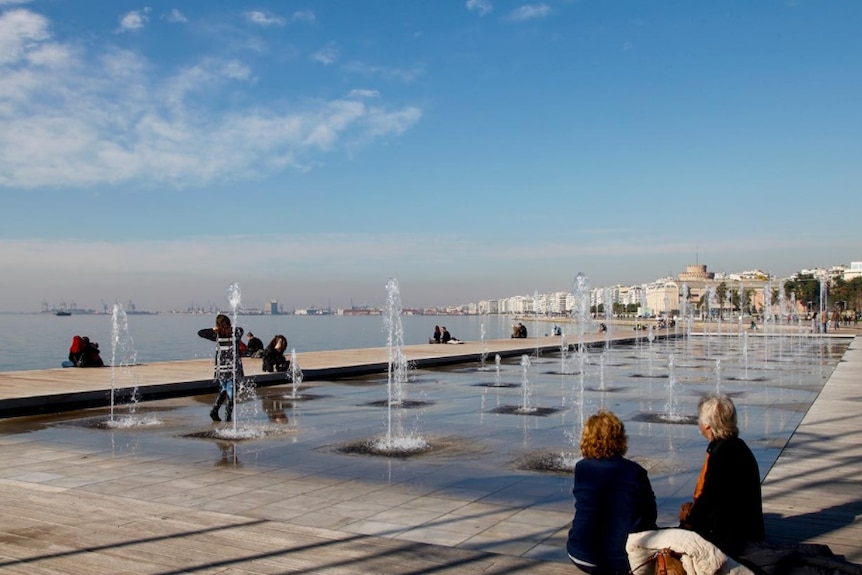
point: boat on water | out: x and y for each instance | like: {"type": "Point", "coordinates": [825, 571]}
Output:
{"type": "Point", "coordinates": [62, 312]}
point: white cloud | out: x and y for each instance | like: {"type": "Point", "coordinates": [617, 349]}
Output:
{"type": "Point", "coordinates": [529, 12]}
{"type": "Point", "coordinates": [177, 17]}
{"type": "Point", "coordinates": [20, 31]}
{"type": "Point", "coordinates": [67, 119]}
{"type": "Point", "coordinates": [134, 20]}
{"type": "Point", "coordinates": [14, 2]}
{"type": "Point", "coordinates": [326, 55]}
{"type": "Point", "coordinates": [483, 7]}
{"type": "Point", "coordinates": [263, 19]}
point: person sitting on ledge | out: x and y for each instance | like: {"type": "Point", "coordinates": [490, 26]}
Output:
{"type": "Point", "coordinates": [446, 337]}
{"type": "Point", "coordinates": [84, 353]}
{"type": "Point", "coordinates": [254, 347]}
{"type": "Point", "coordinates": [437, 335]}
{"type": "Point", "coordinates": [273, 355]}
{"type": "Point", "coordinates": [519, 331]}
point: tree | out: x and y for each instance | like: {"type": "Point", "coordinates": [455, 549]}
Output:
{"type": "Point", "coordinates": [848, 292]}
{"type": "Point", "coordinates": [805, 288]}
{"type": "Point", "coordinates": [721, 296]}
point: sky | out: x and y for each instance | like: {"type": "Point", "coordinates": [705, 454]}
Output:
{"type": "Point", "coordinates": [308, 151]}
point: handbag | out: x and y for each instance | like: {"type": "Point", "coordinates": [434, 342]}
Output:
{"type": "Point", "coordinates": [666, 563]}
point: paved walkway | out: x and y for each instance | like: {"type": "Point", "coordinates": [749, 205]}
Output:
{"type": "Point", "coordinates": [77, 508]}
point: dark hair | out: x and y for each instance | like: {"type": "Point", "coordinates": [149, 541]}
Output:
{"type": "Point", "coordinates": [275, 339]}
{"type": "Point", "coordinates": [223, 326]}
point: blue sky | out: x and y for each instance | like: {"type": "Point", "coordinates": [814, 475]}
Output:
{"type": "Point", "coordinates": [308, 151]}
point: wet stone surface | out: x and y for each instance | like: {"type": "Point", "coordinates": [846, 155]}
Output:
{"type": "Point", "coordinates": [474, 435]}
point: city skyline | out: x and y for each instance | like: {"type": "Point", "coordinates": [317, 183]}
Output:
{"type": "Point", "coordinates": [161, 152]}
{"type": "Point", "coordinates": [733, 279]}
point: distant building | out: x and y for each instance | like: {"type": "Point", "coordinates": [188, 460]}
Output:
{"type": "Point", "coordinates": [273, 307]}
{"type": "Point", "coordinates": [853, 272]}
{"type": "Point", "coordinates": [696, 272]}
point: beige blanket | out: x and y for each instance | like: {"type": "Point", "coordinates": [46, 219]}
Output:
{"type": "Point", "coordinates": [699, 556]}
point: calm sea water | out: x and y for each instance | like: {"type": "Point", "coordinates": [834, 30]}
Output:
{"type": "Point", "coordinates": [41, 341]}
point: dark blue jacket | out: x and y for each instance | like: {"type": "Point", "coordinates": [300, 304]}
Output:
{"type": "Point", "coordinates": [613, 497]}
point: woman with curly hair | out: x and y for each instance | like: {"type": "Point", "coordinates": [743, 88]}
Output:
{"type": "Point", "coordinates": [613, 497]}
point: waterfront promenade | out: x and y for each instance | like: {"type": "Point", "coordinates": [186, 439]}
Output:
{"type": "Point", "coordinates": [73, 507]}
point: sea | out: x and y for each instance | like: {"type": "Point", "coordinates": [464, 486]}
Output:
{"type": "Point", "coordinates": [41, 340]}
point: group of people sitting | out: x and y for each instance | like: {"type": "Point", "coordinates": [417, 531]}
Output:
{"type": "Point", "coordinates": [84, 353]}
{"type": "Point", "coordinates": [442, 336]}
{"type": "Point", "coordinates": [519, 330]}
{"type": "Point", "coordinates": [615, 507]}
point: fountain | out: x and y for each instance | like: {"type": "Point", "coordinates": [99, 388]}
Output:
{"type": "Point", "coordinates": [234, 298]}
{"type": "Point", "coordinates": [526, 389]}
{"type": "Point", "coordinates": [295, 374]}
{"type": "Point", "coordinates": [123, 358]}
{"type": "Point", "coordinates": [396, 442]}
{"type": "Point", "coordinates": [608, 302]}
{"type": "Point", "coordinates": [122, 353]}
{"type": "Point", "coordinates": [564, 350]}
{"type": "Point", "coordinates": [526, 407]}
{"type": "Point", "coordinates": [718, 375]}
{"type": "Point", "coordinates": [495, 444]}
{"type": "Point", "coordinates": [484, 354]}
{"type": "Point", "coordinates": [536, 309]}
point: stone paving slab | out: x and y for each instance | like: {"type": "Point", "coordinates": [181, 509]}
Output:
{"type": "Point", "coordinates": [58, 531]}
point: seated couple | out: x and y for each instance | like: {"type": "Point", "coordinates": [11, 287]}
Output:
{"type": "Point", "coordinates": [442, 336]}
{"type": "Point", "coordinates": [519, 330]}
{"type": "Point", "coordinates": [614, 526]}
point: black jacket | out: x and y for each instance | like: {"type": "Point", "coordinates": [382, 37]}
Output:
{"type": "Point", "coordinates": [274, 360]}
{"type": "Point", "coordinates": [729, 510]}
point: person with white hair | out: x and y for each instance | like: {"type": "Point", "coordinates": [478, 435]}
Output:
{"type": "Point", "coordinates": [727, 508]}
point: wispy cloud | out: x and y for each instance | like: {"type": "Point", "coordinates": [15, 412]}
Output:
{"type": "Point", "coordinates": [303, 16]}
{"type": "Point", "coordinates": [68, 118]}
{"type": "Point", "coordinates": [263, 19]}
{"type": "Point", "coordinates": [529, 12]}
{"type": "Point", "coordinates": [134, 20]}
{"type": "Point", "coordinates": [177, 17]}
{"type": "Point", "coordinates": [14, 2]}
{"type": "Point", "coordinates": [483, 7]}
{"type": "Point", "coordinates": [360, 93]}
{"type": "Point", "coordinates": [326, 55]}
{"type": "Point", "coordinates": [405, 75]}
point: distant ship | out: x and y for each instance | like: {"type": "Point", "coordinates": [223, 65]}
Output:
{"type": "Point", "coordinates": [62, 312]}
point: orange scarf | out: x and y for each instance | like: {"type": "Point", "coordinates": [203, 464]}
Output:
{"type": "Point", "coordinates": [698, 489]}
